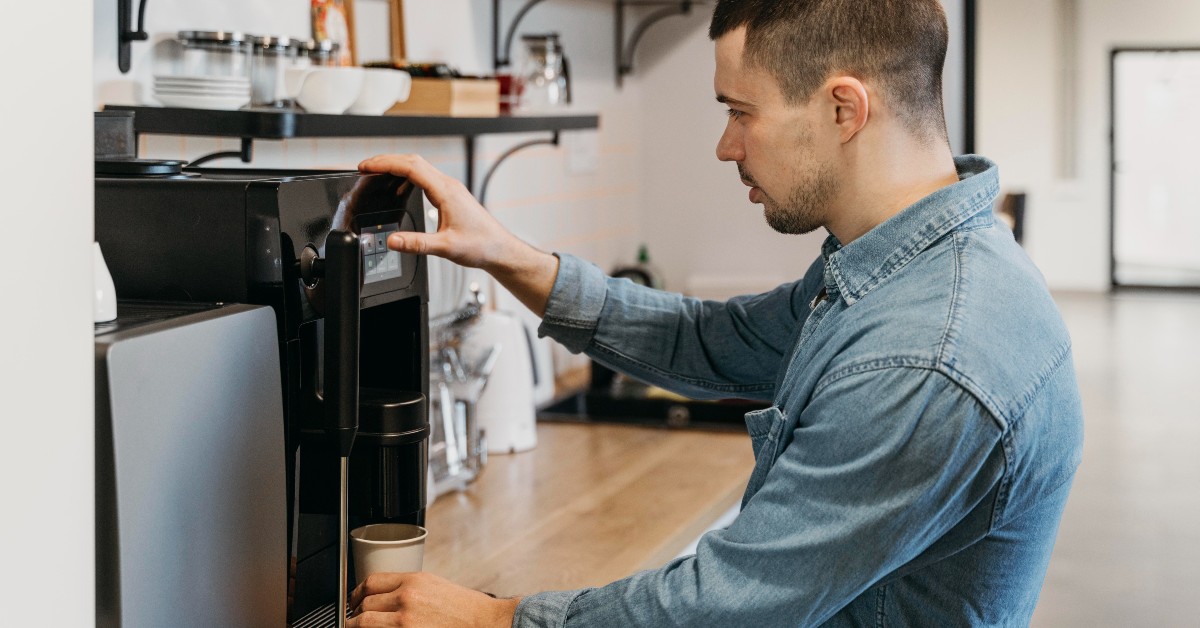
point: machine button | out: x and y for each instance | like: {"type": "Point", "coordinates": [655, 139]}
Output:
{"type": "Point", "coordinates": [381, 242]}
{"type": "Point", "coordinates": [367, 241]}
{"type": "Point", "coordinates": [392, 262]}
{"type": "Point", "coordinates": [370, 264]}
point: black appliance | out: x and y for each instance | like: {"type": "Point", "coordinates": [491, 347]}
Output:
{"type": "Point", "coordinates": [260, 237]}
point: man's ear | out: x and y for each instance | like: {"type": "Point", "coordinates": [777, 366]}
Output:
{"type": "Point", "coordinates": [852, 106]}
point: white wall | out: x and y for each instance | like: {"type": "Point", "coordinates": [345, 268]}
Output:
{"type": "Point", "coordinates": [700, 229]}
{"type": "Point", "coordinates": [1016, 92]}
{"type": "Point", "coordinates": [46, 377]}
{"type": "Point", "coordinates": [1068, 220]}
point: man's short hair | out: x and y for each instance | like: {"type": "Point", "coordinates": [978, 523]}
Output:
{"type": "Point", "coordinates": [899, 45]}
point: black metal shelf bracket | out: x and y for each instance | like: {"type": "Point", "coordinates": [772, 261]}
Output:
{"type": "Point", "coordinates": [487, 178]}
{"type": "Point", "coordinates": [625, 47]}
{"type": "Point", "coordinates": [126, 35]}
{"type": "Point", "coordinates": [502, 55]}
{"type": "Point", "coordinates": [246, 154]}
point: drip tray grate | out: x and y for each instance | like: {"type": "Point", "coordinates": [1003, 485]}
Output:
{"type": "Point", "coordinates": [322, 617]}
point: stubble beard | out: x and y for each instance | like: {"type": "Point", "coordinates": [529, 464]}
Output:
{"type": "Point", "coordinates": [804, 211]}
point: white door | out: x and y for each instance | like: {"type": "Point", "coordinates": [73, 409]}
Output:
{"type": "Point", "coordinates": [1156, 168]}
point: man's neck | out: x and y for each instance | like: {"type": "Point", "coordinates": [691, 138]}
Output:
{"type": "Point", "coordinates": [884, 182]}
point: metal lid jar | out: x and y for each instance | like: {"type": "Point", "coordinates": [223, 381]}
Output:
{"type": "Point", "coordinates": [325, 52]}
{"type": "Point", "coordinates": [215, 53]}
{"type": "Point", "coordinates": [272, 57]}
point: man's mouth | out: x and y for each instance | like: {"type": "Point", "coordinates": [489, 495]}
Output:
{"type": "Point", "coordinates": [748, 181]}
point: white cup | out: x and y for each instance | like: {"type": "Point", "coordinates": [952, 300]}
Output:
{"type": "Point", "coordinates": [382, 88]}
{"type": "Point", "coordinates": [387, 548]}
{"type": "Point", "coordinates": [324, 90]}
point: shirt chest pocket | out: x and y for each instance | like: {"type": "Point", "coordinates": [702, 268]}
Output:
{"type": "Point", "coordinates": [765, 428]}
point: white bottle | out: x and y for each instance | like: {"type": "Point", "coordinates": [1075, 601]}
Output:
{"type": "Point", "coordinates": [104, 304]}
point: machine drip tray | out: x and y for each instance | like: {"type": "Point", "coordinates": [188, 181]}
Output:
{"type": "Point", "coordinates": [594, 406]}
{"type": "Point", "coordinates": [321, 617]}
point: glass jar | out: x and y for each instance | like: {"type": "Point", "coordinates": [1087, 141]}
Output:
{"type": "Point", "coordinates": [215, 53]}
{"type": "Point", "coordinates": [544, 83]}
{"type": "Point", "coordinates": [325, 52]}
{"type": "Point", "coordinates": [272, 57]}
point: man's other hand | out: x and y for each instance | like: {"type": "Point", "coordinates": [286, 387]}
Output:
{"type": "Point", "coordinates": [423, 600]}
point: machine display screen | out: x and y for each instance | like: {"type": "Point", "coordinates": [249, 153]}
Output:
{"type": "Point", "coordinates": [378, 262]}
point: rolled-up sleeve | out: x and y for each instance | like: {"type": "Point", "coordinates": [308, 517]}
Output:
{"type": "Point", "coordinates": [576, 301]}
{"type": "Point", "coordinates": [543, 610]}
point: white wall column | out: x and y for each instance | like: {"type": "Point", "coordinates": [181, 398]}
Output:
{"type": "Point", "coordinates": [46, 369]}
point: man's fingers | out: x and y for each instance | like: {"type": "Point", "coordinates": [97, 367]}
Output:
{"type": "Point", "coordinates": [374, 584]}
{"type": "Point", "coordinates": [373, 619]}
{"type": "Point", "coordinates": [415, 168]}
{"type": "Point", "coordinates": [381, 602]}
{"type": "Point", "coordinates": [418, 243]}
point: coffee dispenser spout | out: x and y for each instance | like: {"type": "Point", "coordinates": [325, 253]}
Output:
{"type": "Point", "coordinates": [342, 271]}
{"type": "Point", "coordinates": [343, 277]}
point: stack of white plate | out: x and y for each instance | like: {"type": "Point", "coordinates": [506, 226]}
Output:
{"type": "Point", "coordinates": [202, 92]}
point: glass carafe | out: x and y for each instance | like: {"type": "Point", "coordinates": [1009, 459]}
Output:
{"type": "Point", "coordinates": [544, 80]}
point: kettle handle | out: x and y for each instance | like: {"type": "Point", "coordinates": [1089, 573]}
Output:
{"type": "Point", "coordinates": [566, 78]}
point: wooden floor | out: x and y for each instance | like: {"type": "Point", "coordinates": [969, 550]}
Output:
{"type": "Point", "coordinates": [589, 505]}
{"type": "Point", "coordinates": [1128, 551]}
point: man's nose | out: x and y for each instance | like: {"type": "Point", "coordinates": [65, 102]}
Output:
{"type": "Point", "coordinates": [729, 147]}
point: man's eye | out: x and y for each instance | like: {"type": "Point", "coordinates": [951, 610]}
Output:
{"type": "Point", "coordinates": [733, 113]}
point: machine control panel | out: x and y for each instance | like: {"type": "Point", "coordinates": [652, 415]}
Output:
{"type": "Point", "coordinates": [379, 263]}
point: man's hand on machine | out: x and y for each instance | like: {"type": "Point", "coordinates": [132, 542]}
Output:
{"type": "Point", "coordinates": [468, 234]}
{"type": "Point", "coordinates": [424, 600]}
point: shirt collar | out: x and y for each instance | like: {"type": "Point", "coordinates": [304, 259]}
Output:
{"type": "Point", "coordinates": [855, 269]}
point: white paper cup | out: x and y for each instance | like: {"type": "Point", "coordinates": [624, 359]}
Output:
{"type": "Point", "coordinates": [386, 548]}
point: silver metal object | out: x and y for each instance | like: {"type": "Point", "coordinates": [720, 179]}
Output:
{"type": "Point", "coordinates": [153, 438]}
{"type": "Point", "coordinates": [343, 545]}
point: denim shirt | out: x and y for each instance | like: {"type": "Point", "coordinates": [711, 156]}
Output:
{"type": "Point", "coordinates": [924, 428]}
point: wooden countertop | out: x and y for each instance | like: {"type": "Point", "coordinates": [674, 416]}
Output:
{"type": "Point", "coordinates": [589, 505]}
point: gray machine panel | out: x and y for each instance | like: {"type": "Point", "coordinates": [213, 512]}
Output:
{"type": "Point", "coordinates": [192, 409]}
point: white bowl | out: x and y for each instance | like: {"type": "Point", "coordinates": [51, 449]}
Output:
{"type": "Point", "coordinates": [324, 90]}
{"type": "Point", "coordinates": [382, 88]}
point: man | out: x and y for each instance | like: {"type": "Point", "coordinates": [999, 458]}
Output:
{"type": "Point", "coordinates": [925, 422]}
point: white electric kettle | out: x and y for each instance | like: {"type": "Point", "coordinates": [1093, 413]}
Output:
{"type": "Point", "coordinates": [506, 409]}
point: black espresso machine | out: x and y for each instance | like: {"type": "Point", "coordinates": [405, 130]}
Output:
{"type": "Point", "coordinates": [311, 246]}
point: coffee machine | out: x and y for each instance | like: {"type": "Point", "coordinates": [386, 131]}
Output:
{"type": "Point", "coordinates": [352, 336]}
